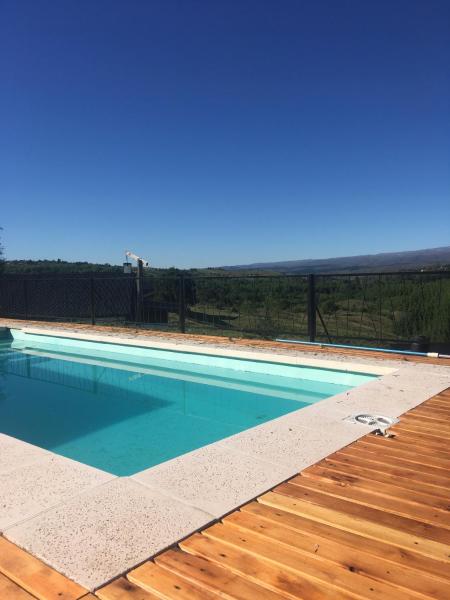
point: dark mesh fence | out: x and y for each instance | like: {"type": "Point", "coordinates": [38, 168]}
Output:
{"type": "Point", "coordinates": [68, 298]}
{"type": "Point", "coordinates": [251, 306]}
{"type": "Point", "coordinates": [385, 309]}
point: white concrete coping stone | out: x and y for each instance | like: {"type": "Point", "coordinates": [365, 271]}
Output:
{"type": "Point", "coordinates": [250, 354]}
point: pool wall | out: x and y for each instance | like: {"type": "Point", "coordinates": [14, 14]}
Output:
{"type": "Point", "coordinates": [142, 355]}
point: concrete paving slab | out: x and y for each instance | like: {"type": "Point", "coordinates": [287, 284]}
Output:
{"type": "Point", "coordinates": [30, 489]}
{"type": "Point", "coordinates": [295, 442]}
{"type": "Point", "coordinates": [15, 453]}
{"type": "Point", "coordinates": [105, 531]}
{"type": "Point", "coordinates": [393, 394]}
{"type": "Point", "coordinates": [215, 478]}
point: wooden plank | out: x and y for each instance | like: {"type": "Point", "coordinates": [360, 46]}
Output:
{"type": "Point", "coordinates": [440, 400]}
{"type": "Point", "coordinates": [11, 591]}
{"type": "Point", "coordinates": [438, 411]}
{"type": "Point", "coordinates": [214, 577]}
{"type": "Point", "coordinates": [440, 475]}
{"type": "Point", "coordinates": [408, 560]}
{"type": "Point", "coordinates": [122, 589]}
{"type": "Point", "coordinates": [395, 442]}
{"type": "Point", "coordinates": [295, 559]}
{"type": "Point", "coordinates": [434, 411]}
{"type": "Point", "coordinates": [312, 492]}
{"type": "Point", "coordinates": [331, 552]}
{"type": "Point", "coordinates": [294, 585]}
{"type": "Point", "coordinates": [424, 414]}
{"type": "Point", "coordinates": [426, 420]}
{"type": "Point", "coordinates": [407, 455]}
{"type": "Point", "coordinates": [435, 438]}
{"type": "Point", "coordinates": [34, 576]}
{"type": "Point", "coordinates": [419, 439]}
{"type": "Point", "coordinates": [440, 424]}
{"type": "Point", "coordinates": [441, 397]}
{"type": "Point", "coordinates": [354, 522]}
{"type": "Point", "coordinates": [392, 469]}
{"type": "Point", "coordinates": [441, 404]}
{"type": "Point", "coordinates": [433, 403]}
{"type": "Point", "coordinates": [441, 428]}
{"type": "Point", "coordinates": [434, 433]}
{"type": "Point", "coordinates": [395, 506]}
{"type": "Point", "coordinates": [388, 490]}
{"type": "Point", "coordinates": [362, 469]}
{"type": "Point", "coordinates": [164, 584]}
{"type": "Point", "coordinates": [444, 394]}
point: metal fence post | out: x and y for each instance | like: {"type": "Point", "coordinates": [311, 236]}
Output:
{"type": "Point", "coordinates": [182, 304]}
{"type": "Point", "coordinates": [140, 291]}
{"type": "Point", "coordinates": [92, 301]}
{"type": "Point", "coordinates": [25, 297]}
{"type": "Point", "coordinates": [312, 307]}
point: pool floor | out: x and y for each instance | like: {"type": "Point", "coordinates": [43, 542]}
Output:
{"type": "Point", "coordinates": [124, 418]}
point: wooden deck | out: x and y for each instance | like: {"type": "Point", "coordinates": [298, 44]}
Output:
{"type": "Point", "coordinates": [236, 342]}
{"type": "Point", "coordinates": [370, 521]}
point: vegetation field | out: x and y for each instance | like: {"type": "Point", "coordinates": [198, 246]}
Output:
{"type": "Point", "coordinates": [371, 308]}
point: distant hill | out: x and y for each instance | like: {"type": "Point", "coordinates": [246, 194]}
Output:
{"type": "Point", "coordinates": [36, 267]}
{"type": "Point", "coordinates": [31, 268]}
{"type": "Point", "coordinates": [432, 258]}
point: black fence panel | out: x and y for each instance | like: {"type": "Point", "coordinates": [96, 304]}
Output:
{"type": "Point", "coordinates": [375, 309]}
{"type": "Point", "coordinates": [251, 306]}
{"type": "Point", "coordinates": [384, 308]}
{"type": "Point", "coordinates": [68, 298]}
{"type": "Point", "coordinates": [114, 298]}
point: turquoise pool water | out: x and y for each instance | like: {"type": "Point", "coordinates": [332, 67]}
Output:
{"type": "Point", "coordinates": [125, 409]}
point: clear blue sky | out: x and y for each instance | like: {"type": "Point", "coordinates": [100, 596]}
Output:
{"type": "Point", "coordinates": [211, 132]}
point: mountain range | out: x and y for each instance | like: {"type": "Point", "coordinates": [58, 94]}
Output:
{"type": "Point", "coordinates": [431, 258]}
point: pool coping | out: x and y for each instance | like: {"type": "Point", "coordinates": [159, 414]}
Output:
{"type": "Point", "coordinates": [203, 485]}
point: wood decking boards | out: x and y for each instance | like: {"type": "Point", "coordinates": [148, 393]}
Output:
{"type": "Point", "coordinates": [233, 342]}
{"type": "Point", "coordinates": [369, 521]}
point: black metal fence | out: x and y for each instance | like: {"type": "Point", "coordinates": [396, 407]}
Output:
{"type": "Point", "coordinates": [384, 309]}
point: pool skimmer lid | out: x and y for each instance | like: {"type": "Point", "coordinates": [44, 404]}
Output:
{"type": "Point", "coordinates": [381, 422]}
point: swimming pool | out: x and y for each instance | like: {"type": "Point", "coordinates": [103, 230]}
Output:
{"type": "Point", "coordinates": [124, 409]}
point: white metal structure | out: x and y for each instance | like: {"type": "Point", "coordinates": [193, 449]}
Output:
{"type": "Point", "coordinates": [145, 263]}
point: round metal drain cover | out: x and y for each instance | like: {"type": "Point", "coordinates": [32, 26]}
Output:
{"type": "Point", "coordinates": [376, 420]}
{"type": "Point", "coordinates": [381, 423]}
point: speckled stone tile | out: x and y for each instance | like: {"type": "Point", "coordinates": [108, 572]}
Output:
{"type": "Point", "coordinates": [296, 442]}
{"type": "Point", "coordinates": [106, 531]}
{"type": "Point", "coordinates": [215, 478]}
{"type": "Point", "coordinates": [15, 453]}
{"type": "Point", "coordinates": [393, 394]}
{"type": "Point", "coordinates": [33, 488]}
